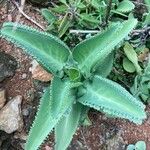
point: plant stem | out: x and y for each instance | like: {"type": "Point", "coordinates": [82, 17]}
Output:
{"type": "Point", "coordinates": [84, 31]}
{"type": "Point", "coordinates": [109, 5]}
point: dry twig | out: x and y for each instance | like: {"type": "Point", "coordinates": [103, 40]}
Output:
{"type": "Point", "coordinates": [21, 8]}
{"type": "Point", "coordinates": [84, 31]}
{"type": "Point", "coordinates": [25, 15]}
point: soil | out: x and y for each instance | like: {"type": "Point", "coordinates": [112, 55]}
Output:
{"type": "Point", "coordinates": [94, 137]}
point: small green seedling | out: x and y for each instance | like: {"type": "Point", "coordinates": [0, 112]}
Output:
{"type": "Point", "coordinates": [140, 145]}
{"type": "Point", "coordinates": [79, 81]}
{"type": "Point", "coordinates": [141, 87]}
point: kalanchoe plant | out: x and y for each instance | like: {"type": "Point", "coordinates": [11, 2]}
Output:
{"type": "Point", "coordinates": [79, 81]}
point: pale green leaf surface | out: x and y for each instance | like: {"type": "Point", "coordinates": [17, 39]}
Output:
{"type": "Point", "coordinates": [147, 2]}
{"type": "Point", "coordinates": [55, 103]}
{"type": "Point", "coordinates": [93, 51]}
{"type": "Point", "coordinates": [128, 65]}
{"type": "Point", "coordinates": [48, 15]}
{"type": "Point", "coordinates": [132, 56]}
{"type": "Point", "coordinates": [131, 147]}
{"type": "Point", "coordinates": [66, 128]}
{"type": "Point", "coordinates": [64, 24]}
{"type": "Point", "coordinates": [105, 67]}
{"type": "Point", "coordinates": [62, 96]}
{"type": "Point", "coordinates": [111, 98]}
{"type": "Point", "coordinates": [49, 51]}
{"type": "Point", "coordinates": [125, 6]}
{"type": "Point", "coordinates": [41, 126]}
{"type": "Point", "coordinates": [140, 145]}
{"type": "Point", "coordinates": [147, 20]}
{"type": "Point", "coordinates": [63, 1]}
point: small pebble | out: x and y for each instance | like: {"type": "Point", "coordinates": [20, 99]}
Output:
{"type": "Point", "coordinates": [2, 98]}
{"type": "Point", "coordinates": [24, 76]}
{"type": "Point", "coordinates": [10, 117]}
{"type": "Point", "coordinates": [38, 73]}
{"type": "Point", "coordinates": [25, 112]}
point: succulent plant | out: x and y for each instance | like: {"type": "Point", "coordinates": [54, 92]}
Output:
{"type": "Point", "coordinates": [79, 81]}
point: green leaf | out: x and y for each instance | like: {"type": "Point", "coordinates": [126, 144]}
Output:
{"type": "Point", "coordinates": [119, 13]}
{"type": "Point", "coordinates": [147, 69]}
{"type": "Point", "coordinates": [80, 5]}
{"type": "Point", "coordinates": [111, 98]}
{"type": "Point", "coordinates": [147, 2]}
{"type": "Point", "coordinates": [84, 120]}
{"type": "Point", "coordinates": [147, 20]}
{"type": "Point", "coordinates": [55, 103]}
{"type": "Point", "coordinates": [66, 128]}
{"type": "Point", "coordinates": [132, 56]}
{"type": "Point", "coordinates": [64, 25]}
{"type": "Point", "coordinates": [73, 74]}
{"type": "Point", "coordinates": [49, 16]}
{"type": "Point", "coordinates": [128, 65]}
{"type": "Point", "coordinates": [105, 67]}
{"type": "Point", "coordinates": [60, 9]}
{"type": "Point", "coordinates": [43, 123]}
{"type": "Point", "coordinates": [48, 50]}
{"type": "Point", "coordinates": [131, 147]}
{"type": "Point", "coordinates": [63, 1]}
{"type": "Point", "coordinates": [125, 6]}
{"type": "Point", "coordinates": [62, 95]}
{"type": "Point", "coordinates": [140, 145]}
{"type": "Point", "coordinates": [88, 20]}
{"type": "Point", "coordinates": [91, 52]}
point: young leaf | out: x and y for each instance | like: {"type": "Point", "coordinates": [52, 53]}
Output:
{"type": "Point", "coordinates": [125, 6]}
{"type": "Point", "coordinates": [63, 1]}
{"type": "Point", "coordinates": [88, 20]}
{"type": "Point", "coordinates": [48, 15]}
{"type": "Point", "coordinates": [93, 51]}
{"type": "Point", "coordinates": [60, 9]}
{"type": "Point", "coordinates": [64, 25]}
{"type": "Point", "coordinates": [128, 65]}
{"type": "Point", "coordinates": [147, 69]}
{"type": "Point", "coordinates": [48, 50]}
{"type": "Point", "coordinates": [66, 128]}
{"type": "Point", "coordinates": [131, 147]}
{"type": "Point", "coordinates": [111, 98]}
{"type": "Point", "coordinates": [73, 74]}
{"type": "Point", "coordinates": [132, 56]}
{"type": "Point", "coordinates": [54, 104]}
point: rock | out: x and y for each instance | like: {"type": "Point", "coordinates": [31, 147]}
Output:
{"type": "Point", "coordinates": [8, 65]}
{"type": "Point", "coordinates": [38, 73]}
{"type": "Point", "coordinates": [47, 148]}
{"type": "Point", "coordinates": [2, 98]}
{"type": "Point", "coordinates": [24, 76]}
{"type": "Point", "coordinates": [21, 135]}
{"type": "Point", "coordinates": [25, 112]}
{"type": "Point", "coordinates": [10, 117]}
{"type": "Point", "coordinates": [115, 143]}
